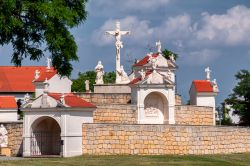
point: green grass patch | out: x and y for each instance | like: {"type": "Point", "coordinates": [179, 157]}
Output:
{"type": "Point", "coordinates": [129, 160]}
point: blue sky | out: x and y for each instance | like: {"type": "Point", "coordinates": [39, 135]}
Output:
{"type": "Point", "coordinates": [214, 33]}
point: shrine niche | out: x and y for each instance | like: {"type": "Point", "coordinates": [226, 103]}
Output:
{"type": "Point", "coordinates": [155, 108]}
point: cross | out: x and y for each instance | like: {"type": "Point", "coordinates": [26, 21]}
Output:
{"type": "Point", "coordinates": [208, 72]}
{"type": "Point", "coordinates": [48, 63]}
{"type": "Point", "coordinates": [118, 44]}
{"type": "Point", "coordinates": [158, 45]}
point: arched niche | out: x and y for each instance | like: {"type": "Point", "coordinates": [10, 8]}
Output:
{"type": "Point", "coordinates": [155, 108]}
{"type": "Point", "coordinates": [45, 137]}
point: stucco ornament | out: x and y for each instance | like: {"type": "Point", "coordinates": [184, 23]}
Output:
{"type": "Point", "coordinates": [155, 78]}
{"type": "Point", "coordinates": [143, 74]}
{"type": "Point", "coordinates": [153, 62]}
{"type": "Point", "coordinates": [3, 136]}
{"type": "Point", "coordinates": [99, 73]}
{"type": "Point", "coordinates": [26, 97]}
{"type": "Point", "coordinates": [208, 73]}
{"type": "Point", "coordinates": [37, 74]}
{"type": "Point", "coordinates": [215, 86]}
{"type": "Point", "coordinates": [117, 33]}
{"type": "Point", "coordinates": [124, 79]}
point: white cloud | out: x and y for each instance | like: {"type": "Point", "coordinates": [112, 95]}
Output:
{"type": "Point", "coordinates": [200, 57]}
{"type": "Point", "coordinates": [128, 5]}
{"type": "Point", "coordinates": [232, 28]}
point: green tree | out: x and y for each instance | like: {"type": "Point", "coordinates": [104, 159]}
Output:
{"type": "Point", "coordinates": [167, 54]}
{"type": "Point", "coordinates": [32, 27]}
{"type": "Point", "coordinates": [239, 99]}
{"type": "Point", "coordinates": [79, 83]}
{"type": "Point", "coordinates": [223, 114]}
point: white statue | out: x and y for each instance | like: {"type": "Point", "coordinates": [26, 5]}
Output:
{"type": "Point", "coordinates": [3, 136]}
{"type": "Point", "coordinates": [172, 58]}
{"type": "Point", "coordinates": [87, 85]}
{"type": "Point", "coordinates": [26, 98]}
{"type": "Point", "coordinates": [118, 44]}
{"type": "Point", "coordinates": [48, 63]}
{"type": "Point", "coordinates": [124, 79]}
{"type": "Point", "coordinates": [158, 45]}
{"type": "Point", "coordinates": [37, 74]}
{"type": "Point", "coordinates": [215, 86]}
{"type": "Point", "coordinates": [99, 73]}
{"type": "Point", "coordinates": [208, 73]}
{"type": "Point", "coordinates": [143, 74]}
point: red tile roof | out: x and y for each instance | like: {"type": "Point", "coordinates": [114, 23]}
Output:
{"type": "Point", "coordinates": [72, 100]}
{"type": "Point", "coordinates": [8, 102]}
{"type": "Point", "coordinates": [203, 86]}
{"type": "Point", "coordinates": [18, 79]}
{"type": "Point", "coordinates": [144, 61]}
{"type": "Point", "coordinates": [136, 80]}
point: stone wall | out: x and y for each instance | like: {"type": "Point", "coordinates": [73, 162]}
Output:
{"type": "Point", "coordinates": [109, 139]}
{"type": "Point", "coordinates": [15, 137]}
{"type": "Point", "coordinates": [106, 98]}
{"type": "Point", "coordinates": [112, 113]}
{"type": "Point", "coordinates": [193, 115]}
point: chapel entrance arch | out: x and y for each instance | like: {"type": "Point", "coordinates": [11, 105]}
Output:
{"type": "Point", "coordinates": [45, 137]}
{"type": "Point", "coordinates": [156, 108]}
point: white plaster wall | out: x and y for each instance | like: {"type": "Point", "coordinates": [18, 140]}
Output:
{"type": "Point", "coordinates": [60, 85]}
{"type": "Point", "coordinates": [8, 115]}
{"type": "Point", "coordinates": [39, 87]}
{"type": "Point", "coordinates": [71, 128]}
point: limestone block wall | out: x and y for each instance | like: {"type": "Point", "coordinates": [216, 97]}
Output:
{"type": "Point", "coordinates": [15, 137]}
{"type": "Point", "coordinates": [106, 98]}
{"type": "Point", "coordinates": [193, 115]}
{"type": "Point", "coordinates": [109, 139]}
{"type": "Point", "coordinates": [112, 113]}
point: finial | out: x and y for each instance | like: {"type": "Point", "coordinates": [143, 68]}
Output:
{"type": "Point", "coordinates": [158, 45]}
{"type": "Point", "coordinates": [37, 74]}
{"type": "Point", "coordinates": [208, 73]}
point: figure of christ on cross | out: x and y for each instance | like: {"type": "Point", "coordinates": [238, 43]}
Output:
{"type": "Point", "coordinates": [118, 44]}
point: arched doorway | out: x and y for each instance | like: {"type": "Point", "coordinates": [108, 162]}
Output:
{"type": "Point", "coordinates": [156, 108]}
{"type": "Point", "coordinates": [45, 137]}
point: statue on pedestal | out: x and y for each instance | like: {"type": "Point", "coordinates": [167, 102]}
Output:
{"type": "Point", "coordinates": [123, 76]}
{"type": "Point", "coordinates": [3, 137]}
{"type": "Point", "coordinates": [99, 73]}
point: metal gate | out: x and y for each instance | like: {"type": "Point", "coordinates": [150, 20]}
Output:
{"type": "Point", "coordinates": [45, 143]}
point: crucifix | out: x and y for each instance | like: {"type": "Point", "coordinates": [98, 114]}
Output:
{"type": "Point", "coordinates": [118, 44]}
{"type": "Point", "coordinates": [208, 72]}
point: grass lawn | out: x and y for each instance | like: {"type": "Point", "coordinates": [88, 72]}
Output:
{"type": "Point", "coordinates": [213, 160]}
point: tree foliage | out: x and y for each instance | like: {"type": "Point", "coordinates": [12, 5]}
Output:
{"type": "Point", "coordinates": [239, 99]}
{"type": "Point", "coordinates": [223, 114]}
{"type": "Point", "coordinates": [167, 54]}
{"type": "Point", "coordinates": [32, 27]}
{"type": "Point", "coordinates": [79, 83]}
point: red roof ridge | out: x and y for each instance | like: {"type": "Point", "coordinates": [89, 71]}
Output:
{"type": "Point", "coordinates": [144, 60]}
{"type": "Point", "coordinates": [203, 85]}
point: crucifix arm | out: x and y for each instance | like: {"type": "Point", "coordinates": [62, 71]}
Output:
{"type": "Point", "coordinates": [110, 32]}
{"type": "Point", "coordinates": [125, 32]}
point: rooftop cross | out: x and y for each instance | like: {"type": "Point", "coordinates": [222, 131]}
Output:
{"type": "Point", "coordinates": [208, 73]}
{"type": "Point", "coordinates": [118, 44]}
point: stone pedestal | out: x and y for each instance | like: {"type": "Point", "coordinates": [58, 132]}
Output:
{"type": "Point", "coordinates": [5, 151]}
{"type": "Point", "coordinates": [112, 88]}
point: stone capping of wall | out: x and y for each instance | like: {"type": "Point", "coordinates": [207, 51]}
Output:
{"type": "Point", "coordinates": [148, 139]}
{"type": "Point", "coordinates": [105, 98]}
